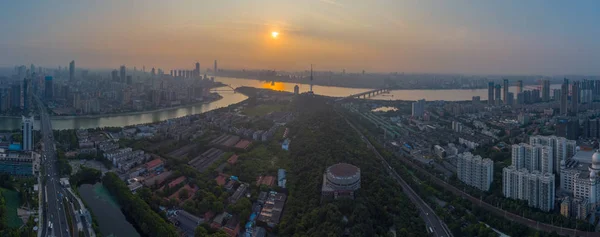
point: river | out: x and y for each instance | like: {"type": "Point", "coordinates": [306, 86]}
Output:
{"type": "Point", "coordinates": [106, 210]}
{"type": "Point", "coordinates": [232, 98]}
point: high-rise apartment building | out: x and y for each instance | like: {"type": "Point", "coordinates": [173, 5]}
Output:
{"type": "Point", "coordinates": [491, 93]}
{"type": "Point", "coordinates": [546, 90]}
{"type": "Point", "coordinates": [562, 148]}
{"type": "Point", "coordinates": [534, 187]}
{"type": "Point", "coordinates": [564, 94]}
{"type": "Point", "coordinates": [498, 95]}
{"type": "Point", "coordinates": [49, 88]}
{"type": "Point", "coordinates": [505, 91]}
{"type": "Point", "coordinates": [122, 73]}
{"type": "Point", "coordinates": [26, 94]}
{"type": "Point", "coordinates": [418, 108]}
{"type": "Point", "coordinates": [475, 171]}
{"type": "Point", "coordinates": [27, 129]}
{"type": "Point", "coordinates": [72, 71]}
{"type": "Point", "coordinates": [533, 157]}
{"type": "Point", "coordinates": [575, 97]}
{"type": "Point", "coordinates": [519, 86]}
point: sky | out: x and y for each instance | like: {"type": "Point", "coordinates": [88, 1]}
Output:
{"type": "Point", "coordinates": [547, 37]}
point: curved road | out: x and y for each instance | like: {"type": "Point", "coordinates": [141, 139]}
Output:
{"type": "Point", "coordinates": [431, 219]}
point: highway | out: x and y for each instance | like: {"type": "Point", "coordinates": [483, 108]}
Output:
{"type": "Point", "coordinates": [428, 215]}
{"type": "Point", "coordinates": [54, 212]}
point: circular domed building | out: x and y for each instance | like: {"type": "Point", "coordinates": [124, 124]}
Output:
{"type": "Point", "coordinates": [340, 180]}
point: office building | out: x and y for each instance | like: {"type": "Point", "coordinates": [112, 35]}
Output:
{"type": "Point", "coordinates": [27, 129]}
{"type": "Point", "coordinates": [519, 86]}
{"type": "Point", "coordinates": [575, 98]}
{"type": "Point", "coordinates": [532, 186]}
{"type": "Point", "coordinates": [49, 88]}
{"type": "Point", "coordinates": [491, 93]}
{"type": "Point", "coordinates": [418, 108]}
{"type": "Point", "coordinates": [505, 91]}
{"type": "Point", "coordinates": [122, 73]}
{"type": "Point", "coordinates": [197, 72]}
{"type": "Point", "coordinates": [129, 80]}
{"type": "Point", "coordinates": [475, 171]}
{"type": "Point", "coordinates": [340, 181]}
{"type": "Point", "coordinates": [72, 71]}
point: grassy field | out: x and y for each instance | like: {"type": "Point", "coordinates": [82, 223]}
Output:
{"type": "Point", "coordinates": [12, 203]}
{"type": "Point", "coordinates": [264, 109]}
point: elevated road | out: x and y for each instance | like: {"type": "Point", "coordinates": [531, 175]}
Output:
{"type": "Point", "coordinates": [55, 220]}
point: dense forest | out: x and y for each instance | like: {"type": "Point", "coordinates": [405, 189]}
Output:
{"type": "Point", "coordinates": [150, 223]}
{"type": "Point", "coordinates": [320, 138]}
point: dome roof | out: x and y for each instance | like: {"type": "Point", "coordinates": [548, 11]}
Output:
{"type": "Point", "coordinates": [596, 158]}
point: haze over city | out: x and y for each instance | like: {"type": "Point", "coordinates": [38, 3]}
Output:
{"type": "Point", "coordinates": [470, 37]}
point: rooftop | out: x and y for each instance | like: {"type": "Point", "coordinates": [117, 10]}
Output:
{"type": "Point", "coordinates": [343, 169]}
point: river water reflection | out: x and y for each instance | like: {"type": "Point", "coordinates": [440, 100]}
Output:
{"type": "Point", "coordinates": [232, 98]}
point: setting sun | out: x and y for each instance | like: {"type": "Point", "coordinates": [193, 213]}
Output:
{"type": "Point", "coordinates": [274, 34]}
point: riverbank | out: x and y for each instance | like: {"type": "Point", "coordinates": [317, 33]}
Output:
{"type": "Point", "coordinates": [92, 116]}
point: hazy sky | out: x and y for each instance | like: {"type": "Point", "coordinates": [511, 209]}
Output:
{"type": "Point", "coordinates": [480, 37]}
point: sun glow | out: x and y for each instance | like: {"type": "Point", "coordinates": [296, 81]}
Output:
{"type": "Point", "coordinates": [274, 34]}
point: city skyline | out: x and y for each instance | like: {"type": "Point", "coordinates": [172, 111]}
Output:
{"type": "Point", "coordinates": [535, 37]}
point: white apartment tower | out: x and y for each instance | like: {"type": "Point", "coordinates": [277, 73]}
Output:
{"type": "Point", "coordinates": [475, 171]}
{"type": "Point", "coordinates": [534, 187]}
{"type": "Point", "coordinates": [562, 148]}
{"type": "Point", "coordinates": [533, 157]}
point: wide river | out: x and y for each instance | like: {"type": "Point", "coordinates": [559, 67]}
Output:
{"type": "Point", "coordinates": [232, 98]}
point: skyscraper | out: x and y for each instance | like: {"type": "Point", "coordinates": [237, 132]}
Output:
{"type": "Point", "coordinates": [546, 90]}
{"type": "Point", "coordinates": [197, 74]}
{"type": "Point", "coordinates": [26, 95]}
{"type": "Point", "coordinates": [575, 97]}
{"type": "Point", "coordinates": [49, 93]}
{"type": "Point", "coordinates": [311, 79]}
{"type": "Point", "coordinates": [490, 93]}
{"type": "Point", "coordinates": [519, 86]}
{"type": "Point", "coordinates": [418, 108]}
{"type": "Point", "coordinates": [114, 75]}
{"type": "Point", "coordinates": [498, 99]}
{"type": "Point", "coordinates": [72, 71]}
{"type": "Point", "coordinates": [27, 133]}
{"type": "Point", "coordinates": [122, 72]}
{"type": "Point", "coordinates": [505, 91]}
{"type": "Point", "coordinates": [216, 69]}
{"type": "Point", "coordinates": [564, 93]}
{"type": "Point", "coordinates": [15, 96]}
